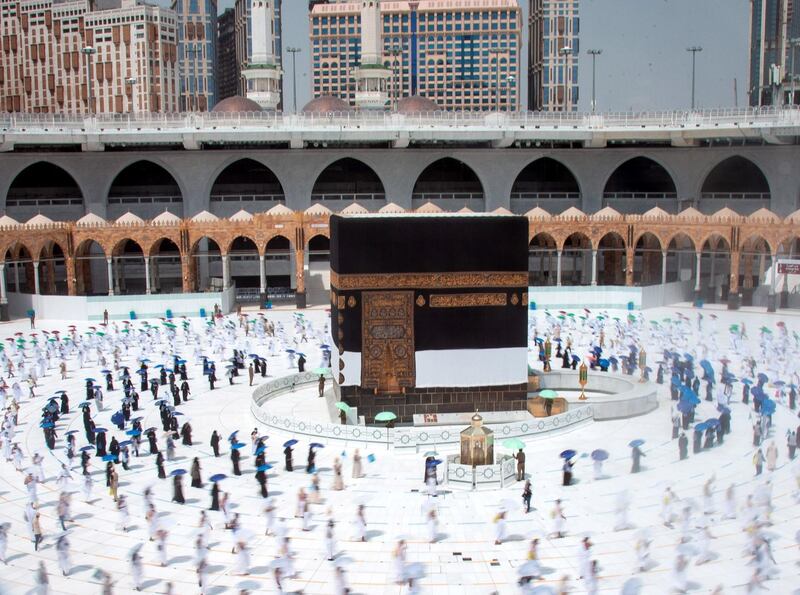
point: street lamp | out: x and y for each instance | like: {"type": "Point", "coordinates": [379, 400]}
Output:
{"type": "Point", "coordinates": [594, 54]}
{"type": "Point", "coordinates": [89, 51]}
{"type": "Point", "coordinates": [294, 52]}
{"type": "Point", "coordinates": [694, 49]}
{"type": "Point", "coordinates": [565, 52]}
{"type": "Point", "coordinates": [130, 82]}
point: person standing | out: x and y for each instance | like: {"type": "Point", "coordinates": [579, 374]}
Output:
{"type": "Point", "coordinates": [330, 541]}
{"type": "Point", "coordinates": [312, 455]}
{"type": "Point", "coordinates": [357, 465]}
{"type": "Point", "coordinates": [791, 443]}
{"type": "Point", "coordinates": [360, 524]}
{"type": "Point", "coordinates": [520, 456]}
{"type": "Point", "coordinates": [137, 570]}
{"type": "Point", "coordinates": [772, 456]}
{"type": "Point", "coordinates": [113, 483]}
{"type": "Point", "coordinates": [197, 481]}
{"type": "Point", "coordinates": [235, 456]}
{"type": "Point", "coordinates": [567, 471]}
{"type": "Point", "coordinates": [338, 482]}
{"type": "Point", "coordinates": [287, 455]}
{"type": "Point", "coordinates": [177, 489]}
{"type": "Point", "coordinates": [683, 446]}
{"type": "Point", "coordinates": [62, 549]}
{"type": "Point", "coordinates": [758, 461]}
{"type": "Point", "coordinates": [527, 494]}
{"type": "Point", "coordinates": [215, 443]}
{"type": "Point", "coordinates": [636, 456]}
{"type": "Point", "coordinates": [321, 385]}
{"type": "Point", "coordinates": [36, 526]}
{"type": "Point", "coordinates": [559, 519]}
{"type": "Point", "coordinates": [251, 373]}
{"type": "Point", "coordinates": [42, 581]}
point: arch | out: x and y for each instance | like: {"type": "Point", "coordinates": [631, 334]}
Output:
{"type": "Point", "coordinates": [735, 178]}
{"type": "Point", "coordinates": [244, 183]}
{"type": "Point", "coordinates": [576, 255]}
{"type": "Point", "coordinates": [318, 280]}
{"type": "Point", "coordinates": [205, 265]}
{"type": "Point", "coordinates": [755, 262]}
{"type": "Point", "coordinates": [681, 255]}
{"type": "Point", "coordinates": [319, 248]}
{"type": "Point", "coordinates": [348, 180]}
{"type": "Point", "coordinates": [715, 268]}
{"type": "Point", "coordinates": [640, 178]}
{"type": "Point", "coordinates": [546, 179]}
{"type": "Point", "coordinates": [165, 267]}
{"type": "Point", "coordinates": [278, 244]}
{"type": "Point", "coordinates": [648, 260]}
{"type": "Point", "coordinates": [128, 268]}
{"type": "Point", "coordinates": [450, 184]}
{"type": "Point", "coordinates": [19, 269]}
{"type": "Point", "coordinates": [542, 255]}
{"type": "Point", "coordinates": [52, 269]}
{"type": "Point", "coordinates": [91, 272]}
{"type": "Point", "coordinates": [611, 259]}
{"type": "Point", "coordinates": [244, 268]}
{"type": "Point", "coordinates": [44, 187]}
{"type": "Point", "coordinates": [146, 188]}
{"type": "Point", "coordinates": [280, 271]}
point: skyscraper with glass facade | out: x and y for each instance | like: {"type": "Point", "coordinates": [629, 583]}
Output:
{"type": "Point", "coordinates": [197, 53]}
{"type": "Point", "coordinates": [461, 54]}
{"type": "Point", "coordinates": [553, 52]}
{"type": "Point", "coordinates": [774, 29]}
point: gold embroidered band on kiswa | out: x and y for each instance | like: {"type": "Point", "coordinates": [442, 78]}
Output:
{"type": "Point", "coordinates": [467, 300]}
{"type": "Point", "coordinates": [465, 280]}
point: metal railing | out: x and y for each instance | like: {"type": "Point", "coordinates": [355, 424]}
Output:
{"type": "Point", "coordinates": [736, 195]}
{"type": "Point", "coordinates": [247, 197]}
{"type": "Point", "coordinates": [348, 196]}
{"type": "Point", "coordinates": [545, 195]}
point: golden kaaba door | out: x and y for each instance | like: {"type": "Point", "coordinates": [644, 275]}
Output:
{"type": "Point", "coordinates": [387, 347]}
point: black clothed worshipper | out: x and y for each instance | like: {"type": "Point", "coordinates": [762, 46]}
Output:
{"type": "Point", "coordinates": [64, 404]}
{"type": "Point", "coordinates": [709, 391]}
{"type": "Point", "coordinates": [261, 478]}
{"type": "Point", "coordinates": [176, 395]}
{"type": "Point", "coordinates": [109, 382]}
{"type": "Point", "coordinates": [235, 456]}
{"type": "Point", "coordinates": [177, 489]}
{"type": "Point", "coordinates": [182, 371]}
{"type": "Point", "coordinates": [85, 462]}
{"type": "Point", "coordinates": [151, 439]}
{"type": "Point", "coordinates": [135, 399]}
{"type": "Point", "coordinates": [154, 388]}
{"type": "Point", "coordinates": [263, 368]}
{"type": "Point", "coordinates": [185, 390]}
{"type": "Point", "coordinates": [90, 434]}
{"type": "Point", "coordinates": [100, 444]}
{"type": "Point", "coordinates": [636, 458]}
{"type": "Point", "coordinates": [186, 434]}
{"type": "Point", "coordinates": [109, 470]}
{"type": "Point", "coordinates": [709, 443]}
{"type": "Point", "coordinates": [163, 377]}
{"type": "Point", "coordinates": [215, 443]}
{"type": "Point", "coordinates": [113, 448]}
{"type": "Point", "coordinates": [172, 378]}
{"type": "Point", "coordinates": [144, 380]}
{"type": "Point", "coordinates": [720, 433]}
{"type": "Point", "coordinates": [310, 460]}
{"type": "Point", "coordinates": [214, 497]}
{"type": "Point", "coordinates": [697, 440]}
{"type": "Point", "coordinates": [160, 466]}
{"type": "Point", "coordinates": [565, 360]}
{"type": "Point", "coordinates": [126, 412]}
{"type": "Point", "coordinates": [567, 472]}
{"type": "Point", "coordinates": [212, 378]}
{"type": "Point", "coordinates": [683, 446]}
{"type": "Point", "coordinates": [287, 455]}
{"type": "Point", "coordinates": [792, 398]}
{"type": "Point", "coordinates": [89, 390]}
{"type": "Point", "coordinates": [301, 364]}
{"type": "Point", "coordinates": [173, 426]}
{"type": "Point", "coordinates": [197, 481]}
{"type": "Point", "coordinates": [660, 374]}
{"type": "Point", "coordinates": [725, 422]}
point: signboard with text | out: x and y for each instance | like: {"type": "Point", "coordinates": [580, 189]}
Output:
{"type": "Point", "coordinates": [789, 267]}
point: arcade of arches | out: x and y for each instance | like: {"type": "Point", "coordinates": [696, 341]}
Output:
{"type": "Point", "coordinates": [727, 257]}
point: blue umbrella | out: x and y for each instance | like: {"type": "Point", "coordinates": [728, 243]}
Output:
{"type": "Point", "coordinates": [105, 371]}
{"type": "Point", "coordinates": [89, 379]}
{"type": "Point", "coordinates": [252, 355]}
{"type": "Point", "coordinates": [237, 445]}
{"type": "Point", "coordinates": [141, 372]}
{"type": "Point", "coordinates": [763, 378]}
{"type": "Point", "coordinates": [685, 406]}
{"type": "Point", "coordinates": [159, 366]}
{"type": "Point", "coordinates": [603, 363]}
{"type": "Point", "coordinates": [176, 472]}
{"type": "Point", "coordinates": [635, 443]}
{"type": "Point", "coordinates": [47, 424]}
{"type": "Point", "coordinates": [85, 448]}
{"type": "Point", "coordinates": [723, 409]}
{"type": "Point", "coordinates": [145, 361]}
{"type": "Point", "coordinates": [712, 422]}
{"type": "Point", "coordinates": [613, 360]}
{"type": "Point", "coordinates": [316, 445]}
{"type": "Point", "coordinates": [688, 357]}
{"type": "Point", "coordinates": [68, 432]}
{"type": "Point", "coordinates": [266, 467]}
{"type": "Point", "coordinates": [100, 430]}
{"type": "Point", "coordinates": [233, 435]}
{"type": "Point", "coordinates": [768, 407]}
{"type": "Point", "coordinates": [567, 454]}
{"type": "Point", "coordinates": [599, 455]}
{"type": "Point", "coordinates": [218, 477]}
{"type": "Point", "coordinates": [576, 358]}
{"type": "Point", "coordinates": [60, 392]}
{"type": "Point", "coordinates": [109, 457]}
{"type": "Point", "coordinates": [288, 443]}
{"type": "Point", "coordinates": [126, 443]}
{"type": "Point", "coordinates": [84, 404]}
{"type": "Point", "coordinates": [778, 383]}
{"type": "Point", "coordinates": [370, 458]}
{"type": "Point", "coordinates": [261, 449]}
{"type": "Point", "coordinates": [133, 433]}
{"type": "Point", "coordinates": [701, 427]}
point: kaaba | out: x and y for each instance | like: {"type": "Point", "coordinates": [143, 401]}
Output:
{"type": "Point", "coordinates": [429, 313]}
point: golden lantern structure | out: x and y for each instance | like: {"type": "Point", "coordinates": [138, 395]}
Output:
{"type": "Point", "coordinates": [477, 443]}
{"type": "Point", "coordinates": [642, 363]}
{"type": "Point", "coordinates": [583, 380]}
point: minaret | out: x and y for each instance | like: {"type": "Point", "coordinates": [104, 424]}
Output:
{"type": "Point", "coordinates": [371, 76]}
{"type": "Point", "coordinates": [262, 73]}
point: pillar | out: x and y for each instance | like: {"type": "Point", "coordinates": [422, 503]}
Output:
{"type": "Point", "coordinates": [299, 267]}
{"type": "Point", "coordinates": [663, 267]}
{"type": "Point", "coordinates": [16, 277]}
{"type": "Point", "coordinates": [110, 268]}
{"type": "Point", "coordinates": [262, 274]}
{"type": "Point", "coordinates": [225, 281]}
{"type": "Point", "coordinates": [733, 284]}
{"type": "Point", "coordinates": [36, 288]}
{"type": "Point", "coordinates": [3, 297]}
{"type": "Point", "coordinates": [50, 269]}
{"type": "Point", "coordinates": [186, 274]}
{"type": "Point", "coordinates": [558, 268]}
{"type": "Point", "coordinates": [594, 267]}
{"type": "Point", "coordinates": [711, 275]}
{"type": "Point", "coordinates": [155, 284]}
{"type": "Point", "coordinates": [147, 275]}
{"type": "Point", "coordinates": [69, 267]}
{"type": "Point", "coordinates": [698, 258]}
{"type": "Point", "coordinates": [629, 259]}
{"type": "Point", "coordinates": [772, 301]}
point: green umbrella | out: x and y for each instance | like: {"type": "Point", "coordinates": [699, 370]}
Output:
{"type": "Point", "coordinates": [321, 370]}
{"type": "Point", "coordinates": [734, 328]}
{"type": "Point", "coordinates": [385, 416]}
{"type": "Point", "coordinates": [572, 314]}
{"type": "Point", "coordinates": [764, 329]}
{"type": "Point", "coordinates": [431, 453]}
{"type": "Point", "coordinates": [513, 444]}
{"type": "Point", "coordinates": [342, 406]}
{"type": "Point", "coordinates": [548, 394]}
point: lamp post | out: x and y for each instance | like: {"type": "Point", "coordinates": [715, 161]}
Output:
{"type": "Point", "coordinates": [89, 51]}
{"type": "Point", "coordinates": [294, 51]}
{"type": "Point", "coordinates": [565, 52]}
{"type": "Point", "coordinates": [130, 82]}
{"type": "Point", "coordinates": [594, 54]}
{"type": "Point", "coordinates": [694, 49]}
{"type": "Point", "coordinates": [394, 52]}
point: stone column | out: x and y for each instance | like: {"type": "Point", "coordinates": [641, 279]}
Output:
{"type": "Point", "coordinates": [772, 300]}
{"type": "Point", "coordinates": [110, 265]}
{"type": "Point", "coordinates": [711, 276]}
{"type": "Point", "coordinates": [594, 267]}
{"type": "Point", "coordinates": [733, 283]}
{"type": "Point", "coordinates": [299, 267]}
{"type": "Point", "coordinates": [698, 258]}
{"type": "Point", "coordinates": [147, 275]}
{"type": "Point", "coordinates": [262, 274]}
{"type": "Point", "coordinates": [663, 267]}
{"type": "Point", "coordinates": [186, 274]}
{"type": "Point", "coordinates": [69, 266]}
{"type": "Point", "coordinates": [50, 268]}
{"type": "Point", "coordinates": [629, 259]}
{"type": "Point", "coordinates": [558, 268]}
{"type": "Point", "coordinates": [225, 282]}
{"type": "Point", "coordinates": [36, 288]}
{"type": "Point", "coordinates": [3, 296]}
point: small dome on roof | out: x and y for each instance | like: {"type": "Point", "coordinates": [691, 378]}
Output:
{"type": "Point", "coordinates": [39, 220]}
{"type": "Point", "coordinates": [166, 218]}
{"type": "Point", "coordinates": [241, 215]}
{"type": "Point", "coordinates": [725, 213]}
{"type": "Point", "coordinates": [279, 210]}
{"type": "Point", "coordinates": [690, 213]}
{"type": "Point", "coordinates": [538, 213]}
{"type": "Point", "coordinates": [416, 104]}
{"type": "Point", "coordinates": [89, 220]}
{"type": "Point", "coordinates": [655, 213]}
{"type": "Point", "coordinates": [502, 211]}
{"type": "Point", "coordinates": [6, 221]}
{"type": "Point", "coordinates": [793, 218]}
{"type": "Point", "coordinates": [318, 209]}
{"type": "Point", "coordinates": [326, 104]}
{"type": "Point", "coordinates": [764, 214]}
{"type": "Point", "coordinates": [205, 217]}
{"type": "Point", "coordinates": [237, 104]}
{"type": "Point", "coordinates": [391, 208]}
{"type": "Point", "coordinates": [465, 210]}
{"type": "Point", "coordinates": [606, 212]}
{"type": "Point", "coordinates": [129, 219]}
{"type": "Point", "coordinates": [429, 207]}
{"type": "Point", "coordinates": [573, 212]}
{"type": "Point", "coordinates": [354, 209]}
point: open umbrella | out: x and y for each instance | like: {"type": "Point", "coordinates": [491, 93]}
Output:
{"type": "Point", "coordinates": [177, 472]}
{"type": "Point", "coordinates": [385, 416]}
{"type": "Point", "coordinates": [747, 381]}
{"type": "Point", "coordinates": [316, 445]}
{"type": "Point", "coordinates": [266, 467]}
{"type": "Point", "coordinates": [261, 449]}
{"type": "Point", "coordinates": [599, 455]}
{"type": "Point", "coordinates": [685, 406]}
{"type": "Point", "coordinates": [513, 444]}
{"type": "Point", "coordinates": [712, 422]}
{"type": "Point", "coordinates": [289, 443]}
{"type": "Point", "coordinates": [218, 477]}
{"type": "Point", "coordinates": [548, 394]}
{"type": "Point", "coordinates": [636, 443]}
{"type": "Point", "coordinates": [109, 457]}
{"type": "Point", "coordinates": [233, 435]}
{"type": "Point", "coordinates": [237, 445]}
{"type": "Point", "coordinates": [431, 453]}
{"type": "Point", "coordinates": [567, 454]}
{"type": "Point", "coordinates": [767, 407]}
{"type": "Point", "coordinates": [85, 448]}
{"type": "Point", "coordinates": [68, 432]}
{"type": "Point", "coordinates": [763, 378]}
{"type": "Point", "coordinates": [47, 425]}
{"type": "Point", "coordinates": [342, 406]}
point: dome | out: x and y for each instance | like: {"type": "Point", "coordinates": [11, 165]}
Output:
{"type": "Point", "coordinates": [326, 104]}
{"type": "Point", "coordinates": [391, 208]}
{"type": "Point", "coordinates": [761, 214]}
{"type": "Point", "coordinates": [166, 218]}
{"type": "Point", "coordinates": [129, 219]}
{"type": "Point", "coordinates": [318, 209]}
{"type": "Point", "coordinates": [726, 213]}
{"type": "Point", "coordinates": [89, 220]}
{"type": "Point", "coordinates": [655, 213]}
{"type": "Point", "coordinates": [606, 213]}
{"type": "Point", "coordinates": [39, 220]}
{"type": "Point", "coordinates": [237, 104]}
{"type": "Point", "coordinates": [538, 213]}
{"type": "Point", "coordinates": [280, 210]}
{"type": "Point", "coordinates": [501, 211]}
{"type": "Point", "coordinates": [354, 209]}
{"type": "Point", "coordinates": [6, 221]}
{"type": "Point", "coordinates": [241, 215]}
{"type": "Point", "coordinates": [416, 104]}
{"type": "Point", "coordinates": [205, 217]}
{"type": "Point", "coordinates": [573, 212]}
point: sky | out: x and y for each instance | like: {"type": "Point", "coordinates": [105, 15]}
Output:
{"type": "Point", "coordinates": [644, 65]}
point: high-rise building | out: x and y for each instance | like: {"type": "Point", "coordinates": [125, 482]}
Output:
{"type": "Point", "coordinates": [243, 26]}
{"type": "Point", "coordinates": [197, 53]}
{"type": "Point", "coordinates": [461, 54]}
{"type": "Point", "coordinates": [553, 51]}
{"type": "Point", "coordinates": [774, 31]}
{"type": "Point", "coordinates": [68, 57]}
{"type": "Point", "coordinates": [227, 70]}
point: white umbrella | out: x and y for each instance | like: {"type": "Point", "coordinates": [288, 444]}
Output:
{"type": "Point", "coordinates": [415, 571]}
